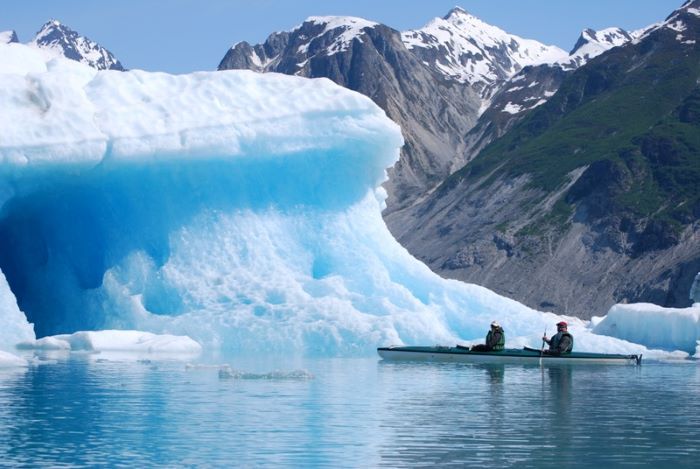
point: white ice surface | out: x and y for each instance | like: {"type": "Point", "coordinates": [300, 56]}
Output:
{"type": "Point", "coordinates": [653, 326]}
{"type": "Point", "coordinates": [9, 360]}
{"type": "Point", "coordinates": [115, 341]}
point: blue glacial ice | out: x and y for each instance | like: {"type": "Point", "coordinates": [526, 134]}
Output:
{"type": "Point", "coordinates": [241, 210]}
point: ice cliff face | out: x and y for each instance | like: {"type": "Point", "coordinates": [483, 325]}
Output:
{"type": "Point", "coordinates": [60, 39]}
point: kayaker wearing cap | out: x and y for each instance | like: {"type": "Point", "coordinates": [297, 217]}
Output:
{"type": "Point", "coordinates": [562, 342]}
{"type": "Point", "coordinates": [495, 340]}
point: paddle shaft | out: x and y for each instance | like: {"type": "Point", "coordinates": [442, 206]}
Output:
{"type": "Point", "coordinates": [543, 342]}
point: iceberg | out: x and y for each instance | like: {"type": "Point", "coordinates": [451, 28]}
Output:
{"type": "Point", "coordinates": [238, 209]}
{"type": "Point", "coordinates": [653, 326]}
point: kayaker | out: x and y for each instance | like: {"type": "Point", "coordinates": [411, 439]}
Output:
{"type": "Point", "coordinates": [495, 340]}
{"type": "Point", "coordinates": [562, 342]}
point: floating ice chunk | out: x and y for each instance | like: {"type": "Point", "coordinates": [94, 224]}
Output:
{"type": "Point", "coordinates": [8, 360]}
{"type": "Point", "coordinates": [45, 343]}
{"type": "Point", "coordinates": [115, 341]}
{"type": "Point", "coordinates": [653, 326]}
{"type": "Point", "coordinates": [226, 372]}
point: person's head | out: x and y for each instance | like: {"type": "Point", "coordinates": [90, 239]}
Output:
{"type": "Point", "coordinates": [561, 326]}
{"type": "Point", "coordinates": [495, 325]}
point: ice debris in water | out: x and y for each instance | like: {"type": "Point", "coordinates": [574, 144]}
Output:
{"type": "Point", "coordinates": [9, 360]}
{"type": "Point", "coordinates": [113, 340]}
{"type": "Point", "coordinates": [226, 372]}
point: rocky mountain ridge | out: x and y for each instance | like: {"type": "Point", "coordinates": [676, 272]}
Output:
{"type": "Point", "coordinates": [434, 82]}
{"type": "Point", "coordinates": [60, 39]}
{"type": "Point", "coordinates": [463, 48]}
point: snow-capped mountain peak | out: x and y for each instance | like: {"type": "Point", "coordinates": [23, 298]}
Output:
{"type": "Point", "coordinates": [684, 18]}
{"type": "Point", "coordinates": [62, 40]}
{"type": "Point", "coordinates": [465, 49]}
{"type": "Point", "coordinates": [592, 43]}
{"type": "Point", "coordinates": [7, 37]}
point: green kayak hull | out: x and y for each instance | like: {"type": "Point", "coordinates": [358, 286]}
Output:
{"type": "Point", "coordinates": [526, 355]}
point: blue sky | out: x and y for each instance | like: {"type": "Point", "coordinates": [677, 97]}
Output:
{"type": "Point", "coordinates": [180, 36]}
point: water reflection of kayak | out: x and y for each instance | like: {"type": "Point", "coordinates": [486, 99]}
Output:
{"type": "Point", "coordinates": [525, 355]}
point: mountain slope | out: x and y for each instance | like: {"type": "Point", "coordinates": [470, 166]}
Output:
{"type": "Point", "coordinates": [592, 197]}
{"type": "Point", "coordinates": [60, 39]}
{"type": "Point", "coordinates": [433, 82]}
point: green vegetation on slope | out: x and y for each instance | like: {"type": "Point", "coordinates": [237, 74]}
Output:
{"type": "Point", "coordinates": [632, 116]}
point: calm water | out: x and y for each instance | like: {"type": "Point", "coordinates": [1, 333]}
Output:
{"type": "Point", "coordinates": [84, 411]}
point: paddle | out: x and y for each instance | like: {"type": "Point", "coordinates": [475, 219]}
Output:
{"type": "Point", "coordinates": [543, 342]}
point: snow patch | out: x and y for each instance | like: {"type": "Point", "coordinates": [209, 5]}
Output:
{"type": "Point", "coordinates": [353, 28]}
{"type": "Point", "coordinates": [512, 108]}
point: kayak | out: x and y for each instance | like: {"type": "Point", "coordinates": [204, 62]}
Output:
{"type": "Point", "coordinates": [525, 355]}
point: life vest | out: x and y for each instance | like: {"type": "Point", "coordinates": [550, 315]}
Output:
{"type": "Point", "coordinates": [554, 344]}
{"type": "Point", "coordinates": [500, 344]}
